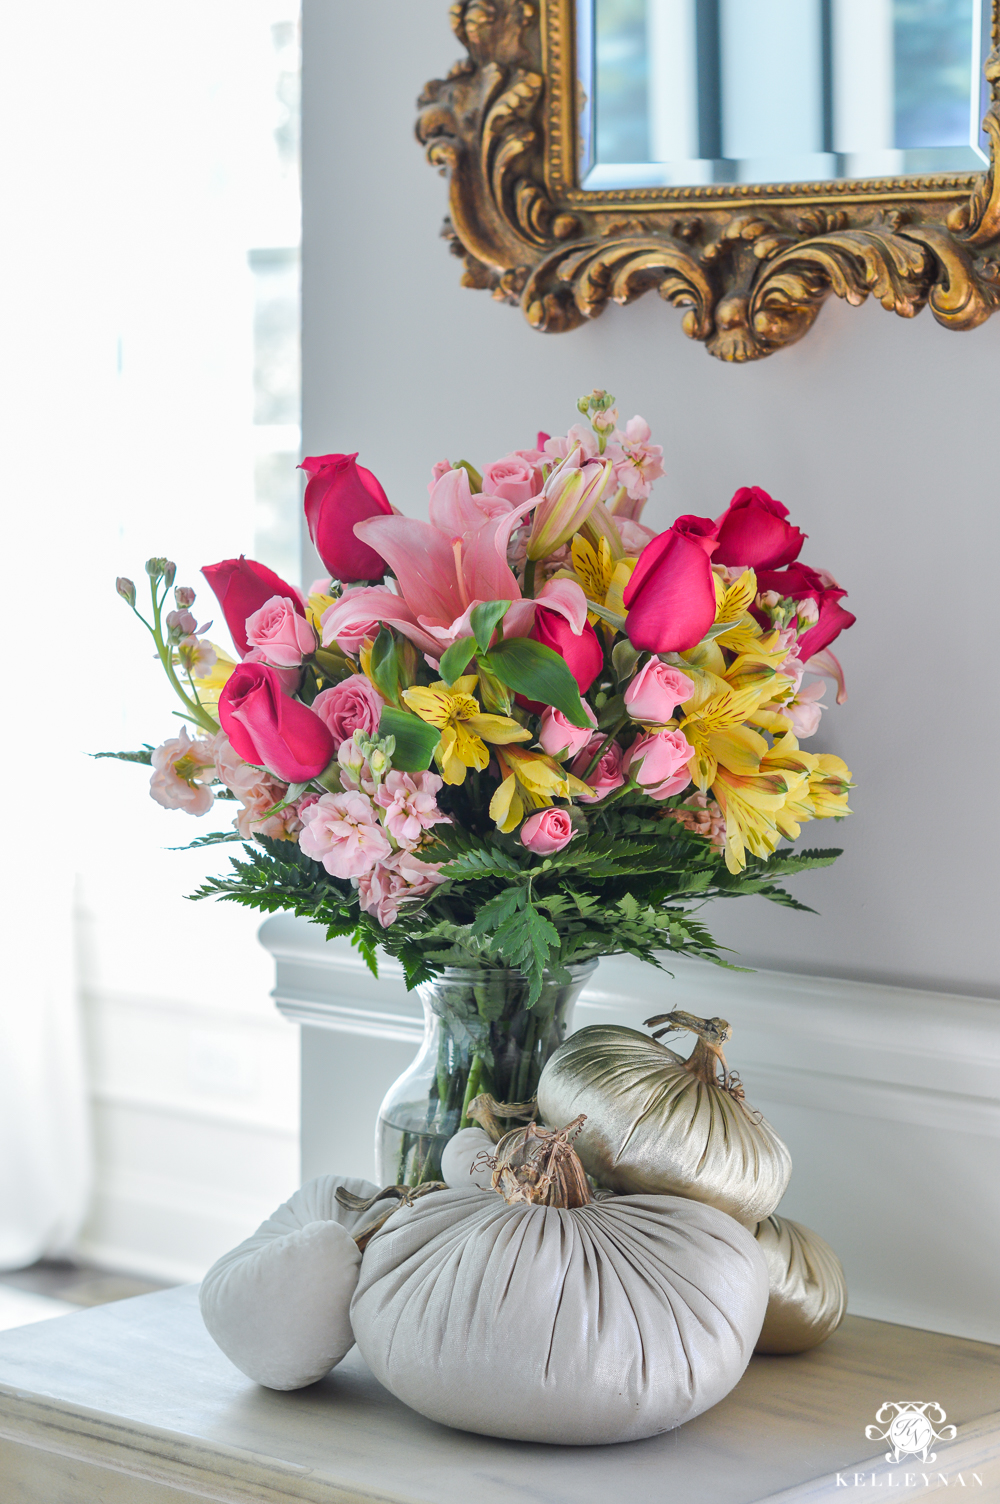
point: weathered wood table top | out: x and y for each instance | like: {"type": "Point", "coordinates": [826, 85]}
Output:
{"type": "Point", "coordinates": [133, 1404]}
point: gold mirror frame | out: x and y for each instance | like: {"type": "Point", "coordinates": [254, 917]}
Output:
{"type": "Point", "coordinates": [750, 264]}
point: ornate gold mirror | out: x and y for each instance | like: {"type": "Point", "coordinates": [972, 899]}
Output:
{"type": "Point", "coordinates": [744, 158]}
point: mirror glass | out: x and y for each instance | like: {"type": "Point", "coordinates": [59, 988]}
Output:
{"type": "Point", "coordinates": [685, 92]}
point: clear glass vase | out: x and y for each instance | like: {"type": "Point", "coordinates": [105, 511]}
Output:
{"type": "Point", "coordinates": [479, 1036]}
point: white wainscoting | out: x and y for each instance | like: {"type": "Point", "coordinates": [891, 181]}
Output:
{"type": "Point", "coordinates": [888, 1097]}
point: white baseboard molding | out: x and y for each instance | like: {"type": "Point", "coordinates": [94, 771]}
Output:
{"type": "Point", "coordinates": [888, 1097]}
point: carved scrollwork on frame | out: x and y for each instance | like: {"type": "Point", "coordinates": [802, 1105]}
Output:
{"type": "Point", "coordinates": [750, 266]}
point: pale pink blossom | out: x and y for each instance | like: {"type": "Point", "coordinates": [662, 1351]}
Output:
{"type": "Point", "coordinates": [806, 612]}
{"type": "Point", "coordinates": [655, 692]}
{"type": "Point", "coordinates": [322, 585]}
{"type": "Point", "coordinates": [659, 763]}
{"type": "Point", "coordinates": [579, 434]}
{"type": "Point", "coordinates": [703, 817]}
{"type": "Point", "coordinates": [637, 461]}
{"type": "Point", "coordinates": [343, 832]}
{"type": "Point", "coordinates": [829, 665]}
{"type": "Point", "coordinates": [398, 879]}
{"type": "Point", "coordinates": [634, 536]}
{"type": "Point", "coordinates": [354, 770]}
{"type": "Point", "coordinates": [410, 804]}
{"type": "Point", "coordinates": [184, 622]}
{"type": "Point", "coordinates": [559, 738]}
{"type": "Point", "coordinates": [282, 635]}
{"type": "Point", "coordinates": [604, 422]}
{"type": "Point", "coordinates": [606, 777]}
{"type": "Point", "coordinates": [512, 478]}
{"type": "Point", "coordinates": [182, 769]}
{"type": "Point", "coordinates": [258, 792]}
{"type": "Point", "coordinates": [352, 705]}
{"type": "Point", "coordinates": [197, 656]}
{"type": "Point", "coordinates": [441, 468]}
{"type": "Point", "coordinates": [806, 711]}
{"type": "Point", "coordinates": [547, 831]}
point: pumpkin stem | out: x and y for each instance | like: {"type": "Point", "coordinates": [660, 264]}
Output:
{"type": "Point", "coordinates": [402, 1195]}
{"type": "Point", "coordinates": [539, 1166]}
{"type": "Point", "coordinates": [488, 1112]}
{"type": "Point", "coordinates": [706, 1060]}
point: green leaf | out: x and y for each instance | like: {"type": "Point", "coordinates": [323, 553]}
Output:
{"type": "Point", "coordinates": [498, 911]}
{"type": "Point", "coordinates": [533, 670]}
{"type": "Point", "coordinates": [526, 941]}
{"type": "Point", "coordinates": [485, 618]}
{"type": "Point", "coordinates": [214, 838]}
{"type": "Point", "coordinates": [490, 862]}
{"type": "Point", "coordinates": [624, 658]}
{"type": "Point", "coordinates": [145, 756]}
{"type": "Point", "coordinates": [415, 739]}
{"type": "Point", "coordinates": [456, 659]}
{"type": "Point", "coordinates": [385, 666]}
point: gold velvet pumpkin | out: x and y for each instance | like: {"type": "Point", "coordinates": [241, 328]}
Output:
{"type": "Point", "coordinates": [656, 1123]}
{"type": "Point", "coordinates": [808, 1296]}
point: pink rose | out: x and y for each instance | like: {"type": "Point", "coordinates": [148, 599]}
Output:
{"type": "Point", "coordinates": [401, 878]}
{"type": "Point", "coordinates": [511, 478]}
{"type": "Point", "coordinates": [559, 739]}
{"type": "Point", "coordinates": [606, 776]}
{"type": "Point", "coordinates": [182, 769]}
{"type": "Point", "coordinates": [343, 832]}
{"type": "Point", "coordinates": [352, 705]}
{"type": "Point", "coordinates": [282, 635]}
{"type": "Point", "coordinates": [410, 804]}
{"type": "Point", "coordinates": [547, 831]}
{"type": "Point", "coordinates": [655, 693]}
{"type": "Point", "coordinates": [658, 763]}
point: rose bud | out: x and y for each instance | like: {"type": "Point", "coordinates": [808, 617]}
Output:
{"type": "Point", "coordinates": [559, 739]}
{"type": "Point", "coordinates": [670, 598]}
{"type": "Point", "coordinates": [582, 652]}
{"type": "Point", "coordinates": [659, 763]}
{"type": "Point", "coordinates": [799, 583]}
{"type": "Point", "coordinates": [655, 692]}
{"type": "Point", "coordinates": [271, 730]}
{"type": "Point", "coordinates": [340, 493]}
{"type": "Point", "coordinates": [547, 831]}
{"type": "Point", "coordinates": [241, 587]}
{"type": "Point", "coordinates": [753, 533]}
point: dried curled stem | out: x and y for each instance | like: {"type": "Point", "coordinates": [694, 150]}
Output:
{"type": "Point", "coordinates": [539, 1166]}
{"type": "Point", "coordinates": [397, 1195]}
{"type": "Point", "coordinates": [488, 1113]}
{"type": "Point", "coordinates": [706, 1060]}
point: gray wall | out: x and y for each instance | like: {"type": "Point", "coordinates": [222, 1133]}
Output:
{"type": "Point", "coordinates": [875, 431]}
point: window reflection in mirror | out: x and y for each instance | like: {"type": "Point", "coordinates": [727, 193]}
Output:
{"type": "Point", "coordinates": [678, 92]}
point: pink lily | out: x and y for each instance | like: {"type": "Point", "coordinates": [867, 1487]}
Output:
{"type": "Point", "coordinates": [829, 665]}
{"type": "Point", "coordinates": [440, 580]}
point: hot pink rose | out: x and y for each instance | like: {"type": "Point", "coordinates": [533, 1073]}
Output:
{"type": "Point", "coordinates": [182, 769]}
{"type": "Point", "coordinates": [559, 739]}
{"type": "Point", "coordinates": [343, 832]}
{"type": "Point", "coordinates": [655, 692]}
{"type": "Point", "coordinates": [281, 634]}
{"type": "Point", "coordinates": [547, 831]}
{"type": "Point", "coordinates": [401, 878]}
{"type": "Point", "coordinates": [670, 598]}
{"type": "Point", "coordinates": [242, 586]}
{"type": "Point", "coordinates": [410, 804]}
{"type": "Point", "coordinates": [658, 763]}
{"type": "Point", "coordinates": [288, 678]}
{"type": "Point", "coordinates": [352, 705]}
{"type": "Point", "coordinates": [341, 493]}
{"type": "Point", "coordinates": [753, 532]}
{"type": "Point", "coordinates": [511, 478]}
{"type": "Point", "coordinates": [608, 774]}
{"type": "Point", "coordinates": [270, 729]}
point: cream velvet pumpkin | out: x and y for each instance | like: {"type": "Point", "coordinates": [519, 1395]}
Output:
{"type": "Point", "coordinates": [278, 1305]}
{"type": "Point", "coordinates": [590, 1324]}
{"type": "Point", "coordinates": [659, 1123]}
{"type": "Point", "coordinates": [808, 1298]}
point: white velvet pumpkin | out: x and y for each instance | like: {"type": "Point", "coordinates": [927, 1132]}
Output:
{"type": "Point", "coordinates": [599, 1323]}
{"type": "Point", "coordinates": [464, 1161]}
{"type": "Point", "coordinates": [278, 1305]}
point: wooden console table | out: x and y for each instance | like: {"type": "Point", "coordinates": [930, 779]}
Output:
{"type": "Point", "coordinates": [133, 1404]}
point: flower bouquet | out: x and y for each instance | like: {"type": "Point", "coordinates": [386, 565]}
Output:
{"type": "Point", "coordinates": [502, 743]}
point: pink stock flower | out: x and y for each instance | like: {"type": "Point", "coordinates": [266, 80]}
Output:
{"type": "Point", "coordinates": [197, 656]}
{"type": "Point", "coordinates": [655, 692]}
{"type": "Point", "coordinates": [410, 804]}
{"type": "Point", "coordinates": [512, 478]}
{"type": "Point", "coordinates": [659, 763]}
{"type": "Point", "coordinates": [703, 817]}
{"type": "Point", "coordinates": [559, 739]}
{"type": "Point", "coordinates": [607, 775]}
{"type": "Point", "coordinates": [634, 536]}
{"type": "Point", "coordinates": [343, 832]}
{"type": "Point", "coordinates": [182, 769]}
{"type": "Point", "coordinates": [352, 705]}
{"type": "Point", "coordinates": [637, 462]}
{"type": "Point", "coordinates": [400, 878]}
{"type": "Point", "coordinates": [258, 792]}
{"type": "Point", "coordinates": [280, 633]}
{"type": "Point", "coordinates": [806, 711]}
{"type": "Point", "coordinates": [183, 621]}
{"type": "Point", "coordinates": [547, 831]}
{"type": "Point", "coordinates": [579, 435]}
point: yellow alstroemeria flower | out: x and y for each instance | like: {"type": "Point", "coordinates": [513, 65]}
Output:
{"type": "Point", "coordinates": [315, 606]}
{"type": "Point", "coordinates": [829, 783]}
{"type": "Point", "coordinates": [464, 727]}
{"type": "Point", "coordinates": [733, 604]}
{"type": "Point", "coordinates": [752, 805]}
{"type": "Point", "coordinates": [531, 780]}
{"type": "Point", "coordinates": [602, 576]}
